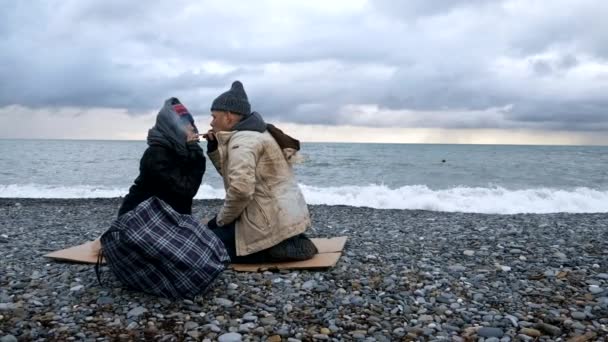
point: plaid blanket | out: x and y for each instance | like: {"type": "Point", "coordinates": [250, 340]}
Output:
{"type": "Point", "coordinates": [154, 249]}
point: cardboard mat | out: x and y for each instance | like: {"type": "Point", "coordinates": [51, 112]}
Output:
{"type": "Point", "coordinates": [330, 251]}
{"type": "Point", "coordinates": [85, 253]}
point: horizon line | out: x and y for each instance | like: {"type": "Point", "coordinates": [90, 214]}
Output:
{"type": "Point", "coordinates": [332, 142]}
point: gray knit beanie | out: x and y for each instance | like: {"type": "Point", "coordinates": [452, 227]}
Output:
{"type": "Point", "coordinates": [234, 100]}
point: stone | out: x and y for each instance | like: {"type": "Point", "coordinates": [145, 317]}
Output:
{"type": "Point", "coordinates": [578, 326]}
{"type": "Point", "coordinates": [457, 268]}
{"type": "Point", "coordinates": [190, 326]}
{"type": "Point", "coordinates": [579, 316]}
{"type": "Point", "coordinates": [560, 255]}
{"type": "Point", "coordinates": [136, 312]}
{"type": "Point", "coordinates": [504, 268]}
{"type": "Point", "coordinates": [490, 332]}
{"type": "Point", "coordinates": [589, 336]}
{"type": "Point", "coordinates": [549, 329]}
{"type": "Point", "coordinates": [530, 332]}
{"type": "Point", "coordinates": [8, 338]}
{"type": "Point", "coordinates": [512, 319]}
{"type": "Point", "coordinates": [426, 318]}
{"type": "Point", "coordinates": [308, 285]}
{"type": "Point", "coordinates": [230, 337]}
{"type": "Point", "coordinates": [274, 338]}
{"type": "Point", "coordinates": [7, 306]}
{"type": "Point", "coordinates": [250, 318]}
{"type": "Point", "coordinates": [268, 321]}
{"type": "Point", "coordinates": [212, 327]}
{"type": "Point", "coordinates": [325, 331]}
{"type": "Point", "coordinates": [594, 289]}
{"type": "Point", "coordinates": [77, 288]}
{"type": "Point", "coordinates": [196, 335]}
{"type": "Point", "coordinates": [245, 328]}
{"type": "Point", "coordinates": [468, 253]}
{"type": "Point", "coordinates": [321, 337]}
{"type": "Point", "coordinates": [105, 301]}
{"type": "Point", "coordinates": [223, 302]}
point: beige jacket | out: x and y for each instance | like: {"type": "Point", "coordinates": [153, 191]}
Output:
{"type": "Point", "coordinates": [262, 194]}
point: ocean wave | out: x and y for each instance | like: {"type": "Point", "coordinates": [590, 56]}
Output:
{"type": "Point", "coordinates": [493, 200]}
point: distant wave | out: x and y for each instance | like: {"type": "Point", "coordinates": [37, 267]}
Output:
{"type": "Point", "coordinates": [495, 200]}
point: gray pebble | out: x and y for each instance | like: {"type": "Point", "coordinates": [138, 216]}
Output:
{"type": "Point", "coordinates": [594, 289]}
{"type": "Point", "coordinates": [223, 302]}
{"type": "Point", "coordinates": [7, 306]}
{"type": "Point", "coordinates": [77, 288]}
{"type": "Point", "coordinates": [212, 327]}
{"type": "Point", "coordinates": [105, 301]}
{"type": "Point", "coordinates": [250, 318]}
{"type": "Point", "coordinates": [578, 315]}
{"type": "Point", "coordinates": [245, 328]}
{"type": "Point", "coordinates": [230, 337]}
{"type": "Point", "coordinates": [549, 329]}
{"type": "Point", "coordinates": [308, 285]}
{"type": "Point", "coordinates": [578, 326]}
{"type": "Point", "coordinates": [490, 332]}
{"type": "Point", "coordinates": [457, 268]}
{"type": "Point", "coordinates": [512, 319]}
{"type": "Point", "coordinates": [136, 312]}
{"type": "Point", "coordinates": [8, 338]}
{"type": "Point", "coordinates": [190, 326]}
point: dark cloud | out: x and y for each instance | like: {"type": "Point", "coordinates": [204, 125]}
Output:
{"type": "Point", "coordinates": [305, 62]}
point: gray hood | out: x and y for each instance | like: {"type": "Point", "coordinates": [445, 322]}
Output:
{"type": "Point", "coordinates": [252, 122]}
{"type": "Point", "coordinates": [169, 129]}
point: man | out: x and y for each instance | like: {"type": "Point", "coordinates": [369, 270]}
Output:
{"type": "Point", "coordinates": [264, 215]}
{"type": "Point", "coordinates": [173, 165]}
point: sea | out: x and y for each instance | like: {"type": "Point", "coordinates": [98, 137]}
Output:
{"type": "Point", "coordinates": [492, 179]}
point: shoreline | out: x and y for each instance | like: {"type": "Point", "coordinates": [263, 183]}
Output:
{"type": "Point", "coordinates": [405, 274]}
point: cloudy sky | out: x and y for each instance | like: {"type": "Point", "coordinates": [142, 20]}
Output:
{"type": "Point", "coordinates": [394, 71]}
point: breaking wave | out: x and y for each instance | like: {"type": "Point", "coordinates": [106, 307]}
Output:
{"type": "Point", "coordinates": [492, 200]}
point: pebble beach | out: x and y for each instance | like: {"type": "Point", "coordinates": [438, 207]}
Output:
{"type": "Point", "coordinates": [404, 275]}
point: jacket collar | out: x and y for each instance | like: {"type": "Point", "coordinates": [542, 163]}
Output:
{"type": "Point", "coordinates": [224, 137]}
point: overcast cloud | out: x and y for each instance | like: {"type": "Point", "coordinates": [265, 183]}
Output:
{"type": "Point", "coordinates": [411, 64]}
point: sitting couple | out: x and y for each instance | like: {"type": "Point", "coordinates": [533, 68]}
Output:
{"type": "Point", "coordinates": [264, 214]}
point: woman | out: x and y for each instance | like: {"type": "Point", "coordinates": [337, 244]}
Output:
{"type": "Point", "coordinates": [155, 245]}
{"type": "Point", "coordinates": [173, 165]}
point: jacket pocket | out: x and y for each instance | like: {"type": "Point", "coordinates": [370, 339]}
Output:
{"type": "Point", "coordinates": [257, 217]}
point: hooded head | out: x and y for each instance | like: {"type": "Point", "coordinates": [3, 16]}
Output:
{"type": "Point", "coordinates": [234, 100]}
{"type": "Point", "coordinates": [172, 124]}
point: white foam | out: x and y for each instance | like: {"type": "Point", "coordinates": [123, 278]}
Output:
{"type": "Point", "coordinates": [494, 200]}
{"type": "Point", "coordinates": [84, 191]}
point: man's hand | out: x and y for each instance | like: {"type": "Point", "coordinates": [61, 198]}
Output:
{"type": "Point", "coordinates": [211, 141]}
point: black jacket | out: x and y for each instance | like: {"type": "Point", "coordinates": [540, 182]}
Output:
{"type": "Point", "coordinates": [170, 169]}
{"type": "Point", "coordinates": [169, 176]}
